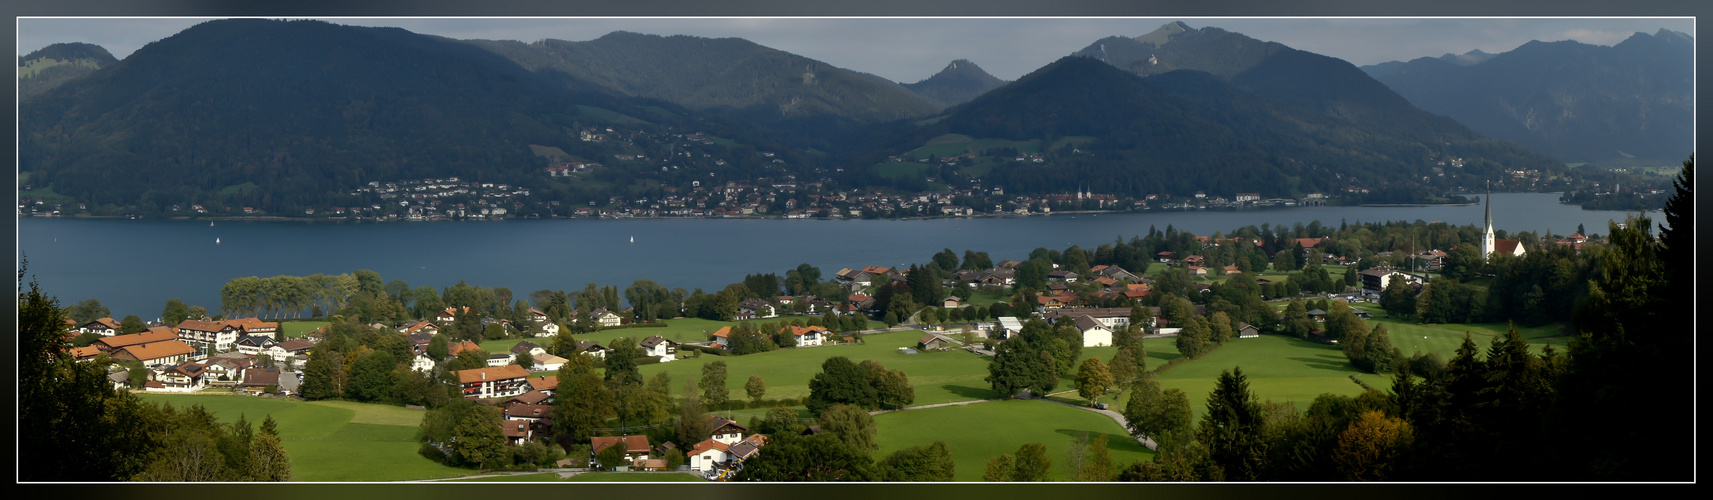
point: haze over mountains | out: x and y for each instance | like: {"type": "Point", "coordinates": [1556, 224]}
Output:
{"type": "Point", "coordinates": [303, 109]}
{"type": "Point", "coordinates": [1574, 101]}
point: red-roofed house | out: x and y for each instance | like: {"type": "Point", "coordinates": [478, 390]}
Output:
{"type": "Point", "coordinates": [495, 382]}
{"type": "Point", "coordinates": [86, 353]}
{"type": "Point", "coordinates": [517, 431]}
{"type": "Point", "coordinates": [722, 337]}
{"type": "Point", "coordinates": [636, 447]}
{"type": "Point", "coordinates": [708, 455]}
{"type": "Point", "coordinates": [810, 336]}
{"type": "Point", "coordinates": [218, 336]}
{"type": "Point", "coordinates": [170, 352]}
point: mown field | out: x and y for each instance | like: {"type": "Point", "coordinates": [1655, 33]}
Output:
{"type": "Point", "coordinates": [332, 440]}
{"type": "Point", "coordinates": [295, 329]}
{"type": "Point", "coordinates": [975, 433]}
{"type": "Point", "coordinates": [939, 377]}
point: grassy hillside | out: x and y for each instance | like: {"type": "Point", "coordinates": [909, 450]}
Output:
{"type": "Point", "coordinates": [332, 440]}
{"type": "Point", "coordinates": [976, 433]}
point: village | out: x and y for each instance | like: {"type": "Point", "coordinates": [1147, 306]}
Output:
{"type": "Point", "coordinates": [1098, 305]}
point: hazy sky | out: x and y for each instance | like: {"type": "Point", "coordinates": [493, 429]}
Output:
{"type": "Point", "coordinates": [908, 50]}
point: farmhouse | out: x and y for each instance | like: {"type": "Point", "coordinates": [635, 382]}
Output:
{"type": "Point", "coordinates": [606, 318]}
{"type": "Point", "coordinates": [1112, 318]}
{"type": "Point", "coordinates": [117, 342]}
{"type": "Point", "coordinates": [755, 309]}
{"type": "Point", "coordinates": [105, 327]}
{"type": "Point", "coordinates": [635, 447]}
{"type": "Point", "coordinates": [517, 431]}
{"type": "Point", "coordinates": [810, 336]}
{"type": "Point", "coordinates": [933, 343]}
{"type": "Point", "coordinates": [1374, 281]}
{"type": "Point", "coordinates": [494, 382]}
{"type": "Point", "coordinates": [1095, 334]}
{"type": "Point", "coordinates": [185, 376]}
{"type": "Point", "coordinates": [548, 363]}
{"type": "Point", "coordinates": [592, 349]}
{"type": "Point", "coordinates": [86, 353]}
{"type": "Point", "coordinates": [657, 346]}
{"type": "Point", "coordinates": [169, 352]}
{"type": "Point", "coordinates": [259, 380]}
{"type": "Point", "coordinates": [253, 344]}
{"type": "Point", "coordinates": [708, 455]}
{"type": "Point", "coordinates": [209, 335]}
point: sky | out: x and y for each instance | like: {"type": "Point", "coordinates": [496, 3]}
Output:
{"type": "Point", "coordinates": [909, 50]}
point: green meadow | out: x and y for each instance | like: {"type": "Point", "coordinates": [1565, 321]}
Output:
{"type": "Point", "coordinates": [295, 329]}
{"type": "Point", "coordinates": [975, 433]}
{"type": "Point", "coordinates": [332, 440]}
{"type": "Point", "coordinates": [939, 377]}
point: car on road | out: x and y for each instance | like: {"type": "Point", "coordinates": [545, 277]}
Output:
{"type": "Point", "coordinates": [1100, 406]}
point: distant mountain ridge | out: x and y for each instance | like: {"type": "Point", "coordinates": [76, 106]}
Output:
{"type": "Point", "coordinates": [777, 90]}
{"type": "Point", "coordinates": [1184, 131]}
{"type": "Point", "coordinates": [960, 81]}
{"type": "Point", "coordinates": [1470, 58]}
{"type": "Point", "coordinates": [53, 65]}
{"type": "Point", "coordinates": [301, 110]}
{"type": "Point", "coordinates": [1314, 82]}
{"type": "Point", "coordinates": [1574, 101]}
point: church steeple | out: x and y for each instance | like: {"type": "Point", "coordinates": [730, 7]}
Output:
{"type": "Point", "coordinates": [1487, 232]}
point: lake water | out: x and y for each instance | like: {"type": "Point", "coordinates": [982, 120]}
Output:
{"type": "Point", "coordinates": [134, 266]}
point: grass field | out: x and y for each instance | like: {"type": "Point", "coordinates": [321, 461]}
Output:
{"type": "Point", "coordinates": [976, 433]}
{"type": "Point", "coordinates": [1279, 368]}
{"type": "Point", "coordinates": [1411, 336]}
{"type": "Point", "coordinates": [939, 377]}
{"type": "Point", "coordinates": [43, 193]}
{"type": "Point", "coordinates": [332, 440]}
{"type": "Point", "coordinates": [295, 329]}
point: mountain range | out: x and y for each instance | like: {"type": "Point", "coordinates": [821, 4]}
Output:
{"type": "Point", "coordinates": [1180, 110]}
{"type": "Point", "coordinates": [304, 110]}
{"type": "Point", "coordinates": [1629, 102]}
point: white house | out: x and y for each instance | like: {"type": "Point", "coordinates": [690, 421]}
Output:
{"type": "Point", "coordinates": [254, 344]}
{"type": "Point", "coordinates": [105, 327]}
{"type": "Point", "coordinates": [810, 336]}
{"type": "Point", "coordinates": [708, 455]}
{"type": "Point", "coordinates": [1095, 334]}
{"type": "Point", "coordinates": [546, 329]}
{"type": "Point", "coordinates": [548, 363]}
{"type": "Point", "coordinates": [722, 337]}
{"type": "Point", "coordinates": [725, 431]}
{"type": "Point", "coordinates": [756, 309]}
{"type": "Point", "coordinates": [422, 363]}
{"type": "Point", "coordinates": [497, 382]}
{"type": "Point", "coordinates": [657, 346]}
{"type": "Point", "coordinates": [606, 318]}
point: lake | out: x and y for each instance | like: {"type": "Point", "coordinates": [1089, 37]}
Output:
{"type": "Point", "coordinates": [134, 266]}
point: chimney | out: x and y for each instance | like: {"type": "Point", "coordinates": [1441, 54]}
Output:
{"type": "Point", "coordinates": [484, 374]}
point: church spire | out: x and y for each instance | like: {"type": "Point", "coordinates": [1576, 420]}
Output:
{"type": "Point", "coordinates": [1488, 222]}
{"type": "Point", "coordinates": [1487, 243]}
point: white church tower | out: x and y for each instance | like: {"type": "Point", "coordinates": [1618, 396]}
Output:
{"type": "Point", "coordinates": [1487, 234]}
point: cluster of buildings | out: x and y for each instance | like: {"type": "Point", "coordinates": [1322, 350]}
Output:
{"type": "Point", "coordinates": [241, 354]}
{"type": "Point", "coordinates": [432, 199]}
